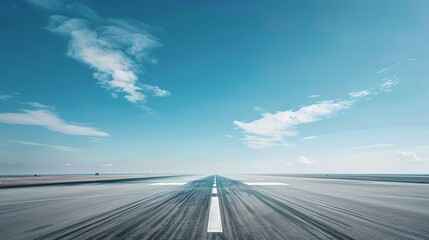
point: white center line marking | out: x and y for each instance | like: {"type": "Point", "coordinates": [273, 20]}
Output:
{"type": "Point", "coordinates": [266, 183]}
{"type": "Point", "coordinates": [215, 222]}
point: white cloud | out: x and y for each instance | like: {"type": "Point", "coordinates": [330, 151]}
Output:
{"type": "Point", "coordinates": [65, 7]}
{"type": "Point", "coordinates": [389, 83]}
{"type": "Point", "coordinates": [259, 142]}
{"type": "Point", "coordinates": [289, 164]}
{"type": "Point", "coordinates": [228, 136]}
{"type": "Point", "coordinates": [38, 105]}
{"type": "Point", "coordinates": [114, 48]}
{"type": "Point", "coordinates": [156, 91]}
{"type": "Point", "coordinates": [407, 157]}
{"type": "Point", "coordinates": [67, 164]}
{"type": "Point", "coordinates": [48, 119]}
{"type": "Point", "coordinates": [272, 128]}
{"type": "Point", "coordinates": [5, 96]}
{"type": "Point", "coordinates": [359, 94]}
{"type": "Point", "coordinates": [309, 138]}
{"type": "Point", "coordinates": [107, 165]}
{"type": "Point", "coordinates": [314, 96]}
{"type": "Point", "coordinates": [379, 145]}
{"type": "Point", "coordinates": [56, 147]}
{"type": "Point", "coordinates": [391, 67]}
{"type": "Point", "coordinates": [258, 109]}
{"type": "Point", "coordinates": [304, 160]}
{"type": "Point", "coordinates": [383, 70]}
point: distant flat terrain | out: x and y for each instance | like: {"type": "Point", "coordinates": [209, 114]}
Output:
{"type": "Point", "coordinates": [25, 181]}
{"type": "Point", "coordinates": [218, 207]}
{"type": "Point", "coordinates": [411, 178]}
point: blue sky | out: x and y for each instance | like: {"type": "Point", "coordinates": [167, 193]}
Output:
{"type": "Point", "coordinates": [277, 86]}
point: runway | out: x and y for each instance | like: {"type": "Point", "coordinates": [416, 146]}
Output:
{"type": "Point", "coordinates": [218, 207]}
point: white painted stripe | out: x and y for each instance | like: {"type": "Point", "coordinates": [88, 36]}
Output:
{"type": "Point", "coordinates": [266, 183]}
{"type": "Point", "coordinates": [215, 221]}
{"type": "Point", "coordinates": [168, 183]}
{"type": "Point", "coordinates": [214, 185]}
{"type": "Point", "coordinates": [214, 190]}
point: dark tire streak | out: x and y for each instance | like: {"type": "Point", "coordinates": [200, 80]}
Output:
{"type": "Point", "coordinates": [178, 214]}
{"type": "Point", "coordinates": [247, 212]}
{"type": "Point", "coordinates": [252, 212]}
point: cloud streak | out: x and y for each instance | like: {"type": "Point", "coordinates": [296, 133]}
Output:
{"type": "Point", "coordinates": [407, 157]}
{"type": "Point", "coordinates": [38, 105]}
{"type": "Point", "coordinates": [359, 94]}
{"type": "Point", "coordinates": [309, 138]}
{"type": "Point", "coordinates": [389, 83]}
{"type": "Point", "coordinates": [56, 147]}
{"type": "Point", "coordinates": [272, 129]}
{"type": "Point", "coordinates": [5, 96]}
{"type": "Point", "coordinates": [305, 160]}
{"type": "Point", "coordinates": [379, 145]}
{"type": "Point", "coordinates": [115, 49]}
{"type": "Point", "coordinates": [49, 120]}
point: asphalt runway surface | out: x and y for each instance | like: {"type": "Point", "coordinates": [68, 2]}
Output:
{"type": "Point", "coordinates": [221, 207]}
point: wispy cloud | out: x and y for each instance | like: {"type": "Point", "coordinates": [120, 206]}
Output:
{"type": "Point", "coordinates": [379, 145]}
{"type": "Point", "coordinates": [48, 119]}
{"type": "Point", "coordinates": [5, 96]}
{"type": "Point", "coordinates": [358, 94]}
{"type": "Point", "coordinates": [258, 109]}
{"type": "Point", "coordinates": [114, 48]}
{"type": "Point", "coordinates": [305, 160]}
{"type": "Point", "coordinates": [56, 147]}
{"type": "Point", "coordinates": [314, 96]}
{"type": "Point", "coordinates": [38, 105]}
{"type": "Point", "coordinates": [289, 164]}
{"type": "Point", "coordinates": [107, 165]}
{"type": "Point", "coordinates": [389, 83]}
{"type": "Point", "coordinates": [309, 138]}
{"type": "Point", "coordinates": [259, 142]}
{"type": "Point", "coordinates": [407, 157]}
{"type": "Point", "coordinates": [272, 128]}
{"type": "Point", "coordinates": [387, 69]}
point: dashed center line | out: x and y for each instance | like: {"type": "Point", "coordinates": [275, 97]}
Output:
{"type": "Point", "coordinates": [215, 220]}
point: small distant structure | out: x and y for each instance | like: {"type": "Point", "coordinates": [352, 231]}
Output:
{"type": "Point", "coordinates": [36, 175]}
{"type": "Point", "coordinates": [96, 174]}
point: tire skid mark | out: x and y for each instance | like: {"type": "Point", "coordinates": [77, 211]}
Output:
{"type": "Point", "coordinates": [389, 227]}
{"type": "Point", "coordinates": [169, 215]}
{"type": "Point", "coordinates": [290, 215]}
{"type": "Point", "coordinates": [299, 219]}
